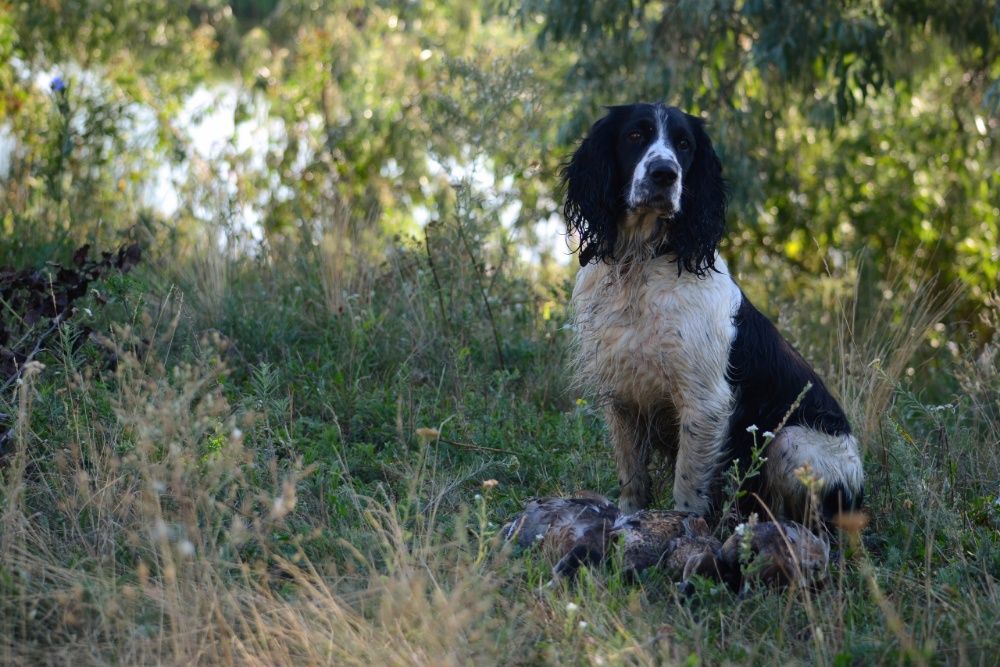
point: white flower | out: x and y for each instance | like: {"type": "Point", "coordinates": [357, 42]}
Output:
{"type": "Point", "coordinates": [582, 624]}
{"type": "Point", "coordinates": [477, 497]}
{"type": "Point", "coordinates": [752, 428]}
{"type": "Point", "coordinates": [769, 434]}
{"type": "Point", "coordinates": [572, 607]}
{"type": "Point", "coordinates": [160, 530]}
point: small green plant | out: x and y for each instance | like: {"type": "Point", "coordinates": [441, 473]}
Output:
{"type": "Point", "coordinates": [739, 473]}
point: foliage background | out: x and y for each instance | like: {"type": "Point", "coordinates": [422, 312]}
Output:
{"type": "Point", "coordinates": [349, 219]}
{"type": "Point", "coordinates": [845, 126]}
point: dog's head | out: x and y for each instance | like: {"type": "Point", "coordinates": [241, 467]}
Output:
{"type": "Point", "coordinates": [645, 181]}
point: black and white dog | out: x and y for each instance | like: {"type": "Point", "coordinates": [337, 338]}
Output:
{"type": "Point", "coordinates": [666, 340]}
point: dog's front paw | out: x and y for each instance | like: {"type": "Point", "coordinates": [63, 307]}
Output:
{"type": "Point", "coordinates": [634, 498]}
{"type": "Point", "coordinates": [690, 501]}
{"type": "Point", "coordinates": [629, 504]}
{"type": "Point", "coordinates": [636, 494]}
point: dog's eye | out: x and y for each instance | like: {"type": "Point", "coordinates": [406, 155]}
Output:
{"type": "Point", "coordinates": [683, 145]}
{"type": "Point", "coordinates": [635, 136]}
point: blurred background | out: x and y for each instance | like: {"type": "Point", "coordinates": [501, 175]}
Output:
{"type": "Point", "coordinates": [850, 132]}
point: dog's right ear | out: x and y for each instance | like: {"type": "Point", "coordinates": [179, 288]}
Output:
{"type": "Point", "coordinates": [592, 192]}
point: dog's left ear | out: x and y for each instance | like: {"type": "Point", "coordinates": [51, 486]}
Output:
{"type": "Point", "coordinates": [592, 192]}
{"type": "Point", "coordinates": [703, 206]}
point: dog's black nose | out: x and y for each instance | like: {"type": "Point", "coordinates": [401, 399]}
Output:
{"type": "Point", "coordinates": [664, 172]}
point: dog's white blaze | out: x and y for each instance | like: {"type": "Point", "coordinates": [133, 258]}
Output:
{"type": "Point", "coordinates": [660, 149]}
{"type": "Point", "coordinates": [660, 341]}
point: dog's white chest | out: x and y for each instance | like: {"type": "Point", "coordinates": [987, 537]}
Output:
{"type": "Point", "coordinates": [654, 336]}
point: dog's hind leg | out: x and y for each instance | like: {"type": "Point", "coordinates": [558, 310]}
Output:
{"type": "Point", "coordinates": [832, 459]}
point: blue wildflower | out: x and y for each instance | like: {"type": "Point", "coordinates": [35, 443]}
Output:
{"type": "Point", "coordinates": [57, 85]}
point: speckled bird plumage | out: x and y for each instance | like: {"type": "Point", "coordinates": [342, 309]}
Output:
{"type": "Point", "coordinates": [581, 530]}
{"type": "Point", "coordinates": [780, 553]}
{"type": "Point", "coordinates": [570, 531]}
{"type": "Point", "coordinates": [663, 538]}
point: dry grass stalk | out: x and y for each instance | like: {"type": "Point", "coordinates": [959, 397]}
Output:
{"type": "Point", "coordinates": [875, 354]}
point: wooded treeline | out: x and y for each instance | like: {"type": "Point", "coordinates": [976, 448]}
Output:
{"type": "Point", "coordinates": [859, 129]}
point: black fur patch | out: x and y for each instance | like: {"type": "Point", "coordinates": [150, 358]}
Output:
{"type": "Point", "coordinates": [595, 191]}
{"type": "Point", "coordinates": [767, 374]}
{"type": "Point", "coordinates": [837, 499]}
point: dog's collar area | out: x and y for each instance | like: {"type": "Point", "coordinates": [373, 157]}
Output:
{"type": "Point", "coordinates": [665, 247]}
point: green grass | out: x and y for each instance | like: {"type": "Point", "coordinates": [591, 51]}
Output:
{"type": "Point", "coordinates": [287, 464]}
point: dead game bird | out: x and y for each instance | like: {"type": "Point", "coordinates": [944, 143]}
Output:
{"type": "Point", "coordinates": [780, 553]}
{"type": "Point", "coordinates": [775, 554]}
{"type": "Point", "coordinates": [663, 538]}
{"type": "Point", "coordinates": [571, 531]}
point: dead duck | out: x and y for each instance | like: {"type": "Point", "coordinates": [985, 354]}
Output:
{"type": "Point", "coordinates": [571, 531]}
{"type": "Point", "coordinates": [773, 554]}
{"type": "Point", "coordinates": [776, 553]}
{"type": "Point", "coordinates": [666, 539]}
{"type": "Point", "coordinates": [579, 531]}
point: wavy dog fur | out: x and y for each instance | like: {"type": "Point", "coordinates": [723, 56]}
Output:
{"type": "Point", "coordinates": [668, 343]}
{"type": "Point", "coordinates": [596, 192]}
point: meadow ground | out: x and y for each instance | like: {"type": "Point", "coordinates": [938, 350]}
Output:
{"type": "Point", "coordinates": [278, 458]}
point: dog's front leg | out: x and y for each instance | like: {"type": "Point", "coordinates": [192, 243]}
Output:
{"type": "Point", "coordinates": [629, 437]}
{"type": "Point", "coordinates": [701, 441]}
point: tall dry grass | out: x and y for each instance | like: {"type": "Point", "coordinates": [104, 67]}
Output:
{"type": "Point", "coordinates": [875, 352]}
{"type": "Point", "coordinates": [158, 515]}
{"type": "Point", "coordinates": [151, 540]}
